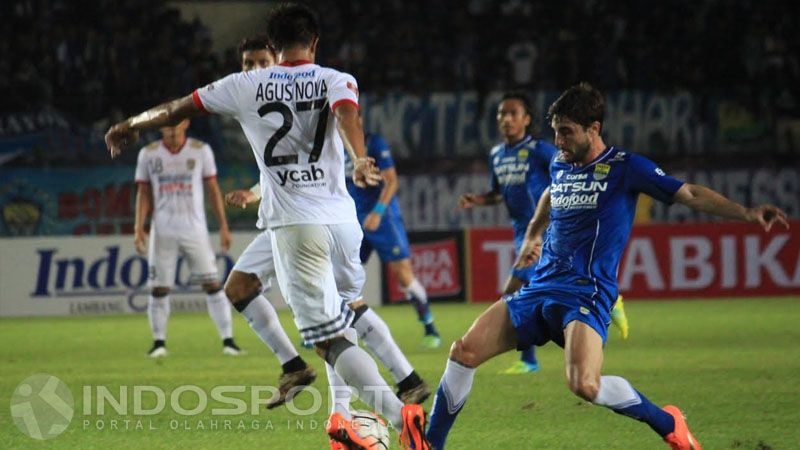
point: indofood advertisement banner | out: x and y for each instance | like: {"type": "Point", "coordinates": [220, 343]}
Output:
{"type": "Point", "coordinates": [104, 275]}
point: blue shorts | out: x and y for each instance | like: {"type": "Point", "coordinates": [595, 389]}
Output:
{"type": "Point", "coordinates": [540, 317]}
{"type": "Point", "coordinates": [389, 240]}
{"type": "Point", "coordinates": [526, 273]}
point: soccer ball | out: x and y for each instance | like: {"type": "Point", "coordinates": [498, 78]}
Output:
{"type": "Point", "coordinates": [371, 428]}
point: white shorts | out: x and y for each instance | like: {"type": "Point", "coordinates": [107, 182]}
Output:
{"type": "Point", "coordinates": [196, 250]}
{"type": "Point", "coordinates": [313, 264]}
{"type": "Point", "coordinates": [348, 272]}
{"type": "Point", "coordinates": [257, 259]}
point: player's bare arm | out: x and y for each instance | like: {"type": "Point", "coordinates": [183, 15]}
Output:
{"type": "Point", "coordinates": [214, 194]}
{"type": "Point", "coordinates": [351, 129]}
{"type": "Point", "coordinates": [373, 219]}
{"type": "Point", "coordinates": [144, 206]}
{"type": "Point", "coordinates": [242, 197]}
{"type": "Point", "coordinates": [703, 199]}
{"type": "Point", "coordinates": [470, 199]}
{"type": "Point", "coordinates": [167, 114]}
{"type": "Point", "coordinates": [531, 248]}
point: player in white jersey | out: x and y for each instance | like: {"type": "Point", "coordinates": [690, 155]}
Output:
{"type": "Point", "coordinates": [297, 116]}
{"type": "Point", "coordinates": [254, 270]}
{"type": "Point", "coordinates": [170, 175]}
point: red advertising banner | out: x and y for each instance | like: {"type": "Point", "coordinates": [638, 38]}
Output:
{"type": "Point", "coordinates": [669, 261]}
{"type": "Point", "coordinates": [710, 260]}
{"type": "Point", "coordinates": [491, 256]}
{"type": "Point", "coordinates": [437, 261]}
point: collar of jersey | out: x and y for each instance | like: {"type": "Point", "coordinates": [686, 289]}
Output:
{"type": "Point", "coordinates": [519, 144]}
{"type": "Point", "coordinates": [603, 156]}
{"type": "Point", "coordinates": [298, 62]}
{"type": "Point", "coordinates": [176, 151]}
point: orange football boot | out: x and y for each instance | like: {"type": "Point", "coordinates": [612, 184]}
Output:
{"type": "Point", "coordinates": [413, 434]}
{"type": "Point", "coordinates": [681, 438]}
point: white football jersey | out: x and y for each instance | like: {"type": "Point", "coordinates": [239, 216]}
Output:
{"type": "Point", "coordinates": [286, 114]}
{"type": "Point", "coordinates": [177, 184]}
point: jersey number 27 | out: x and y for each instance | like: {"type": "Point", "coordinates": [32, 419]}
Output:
{"type": "Point", "coordinates": [288, 121]}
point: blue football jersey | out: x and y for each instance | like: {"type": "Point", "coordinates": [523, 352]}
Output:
{"type": "Point", "coordinates": [520, 172]}
{"type": "Point", "coordinates": [367, 197]}
{"type": "Point", "coordinates": [591, 216]}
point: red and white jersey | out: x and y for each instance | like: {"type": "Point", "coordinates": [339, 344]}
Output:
{"type": "Point", "coordinates": [177, 182]}
{"type": "Point", "coordinates": [285, 112]}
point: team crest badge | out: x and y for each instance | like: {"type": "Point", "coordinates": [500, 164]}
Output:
{"type": "Point", "coordinates": [190, 164]}
{"type": "Point", "coordinates": [522, 154]}
{"type": "Point", "coordinates": [601, 171]}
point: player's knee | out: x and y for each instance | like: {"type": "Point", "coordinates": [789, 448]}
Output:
{"type": "Point", "coordinates": [159, 292]}
{"type": "Point", "coordinates": [461, 353]}
{"type": "Point", "coordinates": [240, 288]}
{"type": "Point", "coordinates": [584, 386]}
{"type": "Point", "coordinates": [212, 288]}
{"type": "Point", "coordinates": [356, 304]}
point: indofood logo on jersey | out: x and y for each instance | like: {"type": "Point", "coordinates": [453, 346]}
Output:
{"type": "Point", "coordinates": [578, 191]}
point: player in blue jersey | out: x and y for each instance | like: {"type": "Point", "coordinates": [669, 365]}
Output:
{"type": "Point", "coordinates": [385, 232]}
{"type": "Point", "coordinates": [520, 173]}
{"type": "Point", "coordinates": [589, 208]}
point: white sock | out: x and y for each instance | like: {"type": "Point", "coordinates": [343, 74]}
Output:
{"type": "Point", "coordinates": [264, 321]}
{"type": "Point", "coordinates": [158, 313]}
{"type": "Point", "coordinates": [456, 384]}
{"type": "Point", "coordinates": [616, 393]}
{"type": "Point", "coordinates": [417, 290]}
{"type": "Point", "coordinates": [219, 308]}
{"type": "Point", "coordinates": [378, 339]}
{"type": "Point", "coordinates": [359, 370]}
{"type": "Point", "coordinates": [340, 393]}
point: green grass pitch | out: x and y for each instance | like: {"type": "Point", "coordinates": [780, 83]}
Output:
{"type": "Point", "coordinates": [732, 366]}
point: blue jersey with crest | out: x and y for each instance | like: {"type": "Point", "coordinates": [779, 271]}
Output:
{"type": "Point", "coordinates": [367, 197]}
{"type": "Point", "coordinates": [591, 215]}
{"type": "Point", "coordinates": [520, 172]}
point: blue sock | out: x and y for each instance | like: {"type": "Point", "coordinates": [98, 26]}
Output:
{"type": "Point", "coordinates": [440, 421]}
{"type": "Point", "coordinates": [659, 420]}
{"type": "Point", "coordinates": [449, 401]}
{"type": "Point", "coordinates": [423, 314]}
{"type": "Point", "coordinates": [617, 394]}
{"type": "Point", "coordinates": [529, 355]}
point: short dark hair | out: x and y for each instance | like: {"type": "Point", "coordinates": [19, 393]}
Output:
{"type": "Point", "coordinates": [582, 104]}
{"type": "Point", "coordinates": [521, 97]}
{"type": "Point", "coordinates": [251, 43]}
{"type": "Point", "coordinates": [290, 24]}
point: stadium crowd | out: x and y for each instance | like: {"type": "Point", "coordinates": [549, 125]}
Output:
{"type": "Point", "coordinates": [56, 54]}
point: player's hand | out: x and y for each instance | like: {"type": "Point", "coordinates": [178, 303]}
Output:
{"type": "Point", "coordinates": [120, 136]}
{"type": "Point", "coordinates": [467, 200]}
{"type": "Point", "coordinates": [240, 198]}
{"type": "Point", "coordinates": [530, 253]}
{"type": "Point", "coordinates": [767, 216]}
{"type": "Point", "coordinates": [372, 222]}
{"type": "Point", "coordinates": [366, 173]}
{"type": "Point", "coordinates": [225, 239]}
{"type": "Point", "coordinates": [140, 242]}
